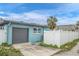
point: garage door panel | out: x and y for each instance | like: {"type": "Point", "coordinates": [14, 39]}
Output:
{"type": "Point", "coordinates": [20, 35]}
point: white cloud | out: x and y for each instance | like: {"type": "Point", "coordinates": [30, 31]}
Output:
{"type": "Point", "coordinates": [63, 14]}
{"type": "Point", "coordinates": [2, 12]}
{"type": "Point", "coordinates": [39, 18]}
{"type": "Point", "coordinates": [65, 9]}
{"type": "Point", "coordinates": [67, 20]}
{"type": "Point", "coordinates": [30, 17]}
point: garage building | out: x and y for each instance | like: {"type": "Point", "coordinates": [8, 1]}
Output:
{"type": "Point", "coordinates": [14, 32]}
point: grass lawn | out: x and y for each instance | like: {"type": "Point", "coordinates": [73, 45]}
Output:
{"type": "Point", "coordinates": [6, 50]}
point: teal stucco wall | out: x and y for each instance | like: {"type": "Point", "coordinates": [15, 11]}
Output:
{"type": "Point", "coordinates": [32, 37]}
{"type": "Point", "coordinates": [35, 37]}
{"type": "Point", "coordinates": [46, 29]}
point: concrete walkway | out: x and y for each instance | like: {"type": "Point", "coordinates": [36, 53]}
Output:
{"type": "Point", "coordinates": [73, 52]}
{"type": "Point", "coordinates": [34, 50]}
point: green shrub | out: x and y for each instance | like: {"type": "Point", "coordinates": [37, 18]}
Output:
{"type": "Point", "coordinates": [64, 47]}
{"type": "Point", "coordinates": [9, 51]}
{"type": "Point", "coordinates": [5, 44]}
{"type": "Point", "coordinates": [47, 45]}
{"type": "Point", "coordinates": [76, 40]}
{"type": "Point", "coordinates": [69, 45]}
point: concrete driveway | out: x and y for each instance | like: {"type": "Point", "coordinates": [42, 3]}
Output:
{"type": "Point", "coordinates": [35, 50]}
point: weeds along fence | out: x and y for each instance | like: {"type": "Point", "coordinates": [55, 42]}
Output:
{"type": "Point", "coordinates": [59, 37]}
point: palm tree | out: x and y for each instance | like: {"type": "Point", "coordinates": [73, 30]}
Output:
{"type": "Point", "coordinates": [52, 22]}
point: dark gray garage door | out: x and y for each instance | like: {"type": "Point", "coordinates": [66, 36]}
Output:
{"type": "Point", "coordinates": [20, 35]}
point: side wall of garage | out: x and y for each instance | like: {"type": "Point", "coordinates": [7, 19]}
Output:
{"type": "Point", "coordinates": [32, 37]}
{"type": "Point", "coordinates": [35, 37]}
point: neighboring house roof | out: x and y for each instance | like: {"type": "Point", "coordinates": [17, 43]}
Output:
{"type": "Point", "coordinates": [67, 27]}
{"type": "Point", "coordinates": [2, 22]}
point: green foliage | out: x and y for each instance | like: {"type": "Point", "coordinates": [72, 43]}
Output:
{"type": "Point", "coordinates": [52, 22]}
{"type": "Point", "coordinates": [50, 46]}
{"type": "Point", "coordinates": [9, 51]}
{"type": "Point", "coordinates": [69, 45]}
{"type": "Point", "coordinates": [76, 40]}
{"type": "Point", "coordinates": [64, 47]}
{"type": "Point", "coordinates": [5, 44]}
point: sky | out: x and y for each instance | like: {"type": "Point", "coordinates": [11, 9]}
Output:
{"type": "Point", "coordinates": [66, 13]}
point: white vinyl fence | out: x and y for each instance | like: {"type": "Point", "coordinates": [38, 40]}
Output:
{"type": "Point", "coordinates": [2, 36]}
{"type": "Point", "coordinates": [58, 37]}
